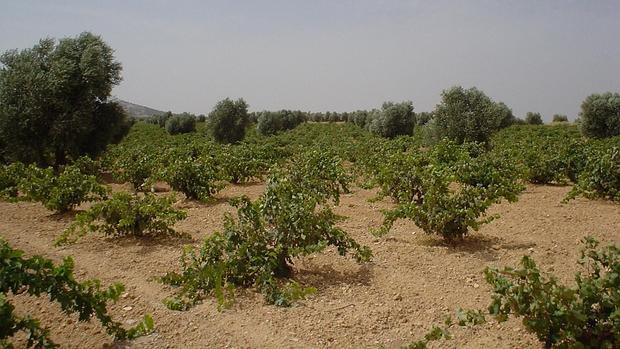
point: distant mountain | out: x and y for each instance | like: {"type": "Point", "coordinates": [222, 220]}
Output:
{"type": "Point", "coordinates": [137, 110]}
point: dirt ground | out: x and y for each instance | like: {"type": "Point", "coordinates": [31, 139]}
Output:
{"type": "Point", "coordinates": [414, 281]}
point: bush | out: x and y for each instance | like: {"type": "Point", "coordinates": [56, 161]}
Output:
{"type": "Point", "coordinates": [36, 276]}
{"type": "Point", "coordinates": [545, 163]}
{"type": "Point", "coordinates": [125, 214]}
{"type": "Point", "coordinates": [10, 177]}
{"type": "Point", "coordinates": [61, 192]}
{"type": "Point", "coordinates": [468, 115]}
{"type": "Point", "coordinates": [183, 123]}
{"type": "Point", "coordinates": [600, 115]}
{"type": "Point", "coordinates": [533, 118]}
{"type": "Point", "coordinates": [290, 219]}
{"type": "Point", "coordinates": [600, 175]}
{"type": "Point", "coordinates": [242, 163]}
{"type": "Point", "coordinates": [584, 316]}
{"type": "Point", "coordinates": [136, 165]}
{"type": "Point", "coordinates": [228, 120]}
{"type": "Point", "coordinates": [448, 190]}
{"type": "Point", "coordinates": [196, 177]}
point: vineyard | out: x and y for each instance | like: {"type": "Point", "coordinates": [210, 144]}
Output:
{"type": "Point", "coordinates": [315, 234]}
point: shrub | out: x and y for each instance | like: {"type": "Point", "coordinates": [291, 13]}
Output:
{"type": "Point", "coordinates": [125, 214]}
{"type": "Point", "coordinates": [88, 166]}
{"type": "Point", "coordinates": [196, 177]}
{"type": "Point", "coordinates": [600, 115]}
{"type": "Point", "coordinates": [183, 123]}
{"type": "Point", "coordinates": [36, 276]}
{"type": "Point", "coordinates": [290, 219]}
{"type": "Point", "coordinates": [10, 177]}
{"type": "Point", "coordinates": [600, 175]}
{"type": "Point", "coordinates": [468, 115]}
{"type": "Point", "coordinates": [61, 192]}
{"type": "Point", "coordinates": [532, 118]}
{"type": "Point", "coordinates": [136, 165]}
{"type": "Point", "coordinates": [545, 163]}
{"type": "Point", "coordinates": [228, 120]}
{"type": "Point", "coordinates": [448, 190]}
{"type": "Point", "coordinates": [242, 163]}
{"type": "Point", "coordinates": [584, 316]}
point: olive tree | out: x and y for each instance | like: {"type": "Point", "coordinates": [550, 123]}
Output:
{"type": "Point", "coordinates": [600, 115]}
{"type": "Point", "coordinates": [228, 120]}
{"type": "Point", "coordinates": [54, 100]}
{"type": "Point", "coordinates": [394, 119]}
{"type": "Point", "coordinates": [469, 115]}
{"type": "Point", "coordinates": [181, 123]}
{"type": "Point", "coordinates": [560, 118]}
{"type": "Point", "coordinates": [532, 118]}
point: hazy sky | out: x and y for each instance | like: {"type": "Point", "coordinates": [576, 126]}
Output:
{"type": "Point", "coordinates": [320, 55]}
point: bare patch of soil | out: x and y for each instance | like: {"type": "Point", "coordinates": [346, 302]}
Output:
{"type": "Point", "coordinates": [414, 281]}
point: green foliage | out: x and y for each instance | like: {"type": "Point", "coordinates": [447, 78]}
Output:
{"type": "Point", "coordinates": [600, 115]}
{"type": "Point", "coordinates": [559, 118]}
{"type": "Point", "coordinates": [244, 162]}
{"type": "Point", "coordinates": [126, 214]}
{"type": "Point", "coordinates": [228, 120]}
{"type": "Point", "coordinates": [600, 175]}
{"type": "Point", "coordinates": [447, 191]}
{"type": "Point", "coordinates": [36, 276]}
{"type": "Point", "coordinates": [532, 118]}
{"type": "Point", "coordinates": [136, 165]}
{"type": "Point", "coordinates": [544, 163]}
{"type": "Point", "coordinates": [269, 123]}
{"type": "Point", "coordinates": [423, 118]}
{"type": "Point", "coordinates": [196, 177]}
{"type": "Point", "coordinates": [394, 119]}
{"type": "Point", "coordinates": [54, 100]}
{"type": "Point", "coordinates": [545, 154]}
{"type": "Point", "coordinates": [183, 123]}
{"type": "Point", "coordinates": [584, 316]}
{"type": "Point", "coordinates": [469, 317]}
{"type": "Point", "coordinates": [468, 115]}
{"type": "Point", "coordinates": [60, 192]}
{"type": "Point", "coordinates": [159, 120]}
{"type": "Point", "coordinates": [436, 333]}
{"type": "Point", "coordinates": [290, 219]}
{"type": "Point", "coordinates": [10, 177]}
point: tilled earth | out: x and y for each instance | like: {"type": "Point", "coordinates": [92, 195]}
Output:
{"type": "Point", "coordinates": [413, 283]}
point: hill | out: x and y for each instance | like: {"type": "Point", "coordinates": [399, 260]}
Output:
{"type": "Point", "coordinates": [137, 110]}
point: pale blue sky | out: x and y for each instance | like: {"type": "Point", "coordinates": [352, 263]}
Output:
{"type": "Point", "coordinates": [543, 56]}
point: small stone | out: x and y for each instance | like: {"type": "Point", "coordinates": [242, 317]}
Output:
{"type": "Point", "coordinates": [127, 308]}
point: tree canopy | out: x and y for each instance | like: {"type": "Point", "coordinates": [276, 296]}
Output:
{"type": "Point", "coordinates": [54, 100]}
{"type": "Point", "coordinates": [600, 115]}
{"type": "Point", "coordinates": [466, 115]}
{"type": "Point", "coordinates": [228, 120]}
